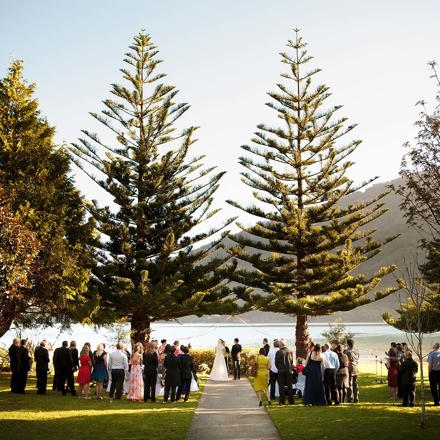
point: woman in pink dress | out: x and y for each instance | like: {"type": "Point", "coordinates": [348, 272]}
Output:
{"type": "Point", "coordinates": [84, 372]}
{"type": "Point", "coordinates": [393, 372]}
{"type": "Point", "coordinates": [136, 390]}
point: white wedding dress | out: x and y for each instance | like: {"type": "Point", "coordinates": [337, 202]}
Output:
{"type": "Point", "coordinates": [219, 370]}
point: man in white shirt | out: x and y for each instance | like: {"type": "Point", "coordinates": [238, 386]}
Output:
{"type": "Point", "coordinates": [117, 366]}
{"type": "Point", "coordinates": [273, 372]}
{"type": "Point", "coordinates": [331, 362]}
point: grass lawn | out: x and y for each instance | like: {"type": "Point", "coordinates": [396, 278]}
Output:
{"type": "Point", "coordinates": [53, 416]}
{"type": "Point", "coordinates": [375, 417]}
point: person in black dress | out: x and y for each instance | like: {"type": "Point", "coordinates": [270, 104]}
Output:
{"type": "Point", "coordinates": [314, 388]}
{"type": "Point", "coordinates": [75, 355]}
{"type": "Point", "coordinates": [42, 366]}
{"type": "Point", "coordinates": [172, 375]}
{"type": "Point", "coordinates": [13, 361]}
{"type": "Point", "coordinates": [151, 362]}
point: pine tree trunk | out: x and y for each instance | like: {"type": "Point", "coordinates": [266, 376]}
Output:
{"type": "Point", "coordinates": [302, 336]}
{"type": "Point", "coordinates": [140, 328]}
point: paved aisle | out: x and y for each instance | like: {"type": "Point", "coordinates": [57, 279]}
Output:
{"type": "Point", "coordinates": [228, 411]}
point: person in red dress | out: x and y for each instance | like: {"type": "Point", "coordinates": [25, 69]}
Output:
{"type": "Point", "coordinates": [393, 372]}
{"type": "Point", "coordinates": [84, 372]}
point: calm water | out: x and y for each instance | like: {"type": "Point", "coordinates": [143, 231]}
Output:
{"type": "Point", "coordinates": [372, 339]}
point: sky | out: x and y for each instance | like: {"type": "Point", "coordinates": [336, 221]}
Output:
{"type": "Point", "coordinates": [223, 56]}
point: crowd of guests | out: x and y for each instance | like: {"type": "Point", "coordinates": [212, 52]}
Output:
{"type": "Point", "coordinates": [402, 371]}
{"type": "Point", "coordinates": [141, 375]}
{"type": "Point", "coordinates": [327, 376]}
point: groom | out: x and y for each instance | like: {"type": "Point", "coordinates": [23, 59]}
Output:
{"type": "Point", "coordinates": [235, 355]}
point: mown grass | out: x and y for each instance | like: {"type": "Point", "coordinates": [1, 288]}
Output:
{"type": "Point", "coordinates": [376, 417]}
{"type": "Point", "coordinates": [53, 416]}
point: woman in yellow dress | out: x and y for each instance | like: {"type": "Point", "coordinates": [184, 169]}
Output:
{"type": "Point", "coordinates": [262, 377]}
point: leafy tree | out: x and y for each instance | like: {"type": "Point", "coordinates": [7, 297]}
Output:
{"type": "Point", "coordinates": [18, 251]}
{"type": "Point", "coordinates": [337, 331]}
{"type": "Point", "coordinates": [420, 191]}
{"type": "Point", "coordinates": [307, 245]}
{"type": "Point", "coordinates": [152, 266]}
{"type": "Point", "coordinates": [35, 176]}
{"type": "Point", "coordinates": [420, 169]}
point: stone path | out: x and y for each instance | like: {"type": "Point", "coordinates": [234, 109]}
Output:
{"type": "Point", "coordinates": [228, 411]}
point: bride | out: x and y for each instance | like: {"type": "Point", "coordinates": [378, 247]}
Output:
{"type": "Point", "coordinates": [219, 370]}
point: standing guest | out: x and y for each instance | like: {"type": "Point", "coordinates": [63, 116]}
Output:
{"type": "Point", "coordinates": [65, 367]}
{"type": "Point", "coordinates": [127, 375]}
{"type": "Point", "coordinates": [177, 351]}
{"type": "Point", "coordinates": [284, 364]}
{"type": "Point", "coordinates": [136, 388]}
{"type": "Point", "coordinates": [235, 355]}
{"type": "Point", "coordinates": [313, 389]}
{"type": "Point", "coordinates": [41, 366]}
{"type": "Point", "coordinates": [56, 370]}
{"type": "Point", "coordinates": [353, 371]}
{"type": "Point", "coordinates": [266, 346]}
{"type": "Point", "coordinates": [273, 372]}
{"type": "Point", "coordinates": [434, 372]}
{"type": "Point", "coordinates": [161, 350]}
{"type": "Point", "coordinates": [13, 361]}
{"type": "Point", "coordinates": [75, 356]}
{"type": "Point", "coordinates": [84, 372]}
{"type": "Point", "coordinates": [393, 372]}
{"type": "Point", "coordinates": [151, 362]}
{"type": "Point", "coordinates": [172, 374]}
{"type": "Point", "coordinates": [342, 374]}
{"type": "Point", "coordinates": [227, 354]}
{"type": "Point", "coordinates": [260, 383]}
{"type": "Point", "coordinates": [118, 367]}
{"type": "Point", "coordinates": [331, 364]}
{"type": "Point", "coordinates": [99, 373]}
{"type": "Point", "coordinates": [23, 366]}
{"type": "Point", "coordinates": [334, 343]}
{"type": "Point", "coordinates": [187, 369]}
{"type": "Point", "coordinates": [399, 350]}
{"type": "Point", "coordinates": [408, 370]}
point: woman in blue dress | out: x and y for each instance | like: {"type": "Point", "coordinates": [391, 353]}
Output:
{"type": "Point", "coordinates": [99, 373]}
{"type": "Point", "coordinates": [314, 388]}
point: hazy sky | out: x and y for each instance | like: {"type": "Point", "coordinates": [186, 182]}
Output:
{"type": "Point", "coordinates": [223, 57]}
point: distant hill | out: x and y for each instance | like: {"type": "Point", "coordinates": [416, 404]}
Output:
{"type": "Point", "coordinates": [389, 224]}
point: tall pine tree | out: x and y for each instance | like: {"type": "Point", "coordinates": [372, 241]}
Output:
{"type": "Point", "coordinates": [152, 266]}
{"type": "Point", "coordinates": [34, 174]}
{"type": "Point", "coordinates": [305, 250]}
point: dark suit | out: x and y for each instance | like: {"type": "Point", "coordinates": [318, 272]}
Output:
{"type": "Point", "coordinates": [235, 355]}
{"type": "Point", "coordinates": [64, 363]}
{"type": "Point", "coordinates": [283, 362]}
{"type": "Point", "coordinates": [23, 366]}
{"type": "Point", "coordinates": [408, 370]}
{"type": "Point", "coordinates": [42, 365]}
{"type": "Point", "coordinates": [13, 361]}
{"type": "Point", "coordinates": [172, 376]}
{"type": "Point", "coordinates": [150, 361]}
{"type": "Point", "coordinates": [187, 369]}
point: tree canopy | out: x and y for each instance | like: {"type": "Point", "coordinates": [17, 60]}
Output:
{"type": "Point", "coordinates": [34, 174]}
{"type": "Point", "coordinates": [151, 262]}
{"type": "Point", "coordinates": [306, 249]}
